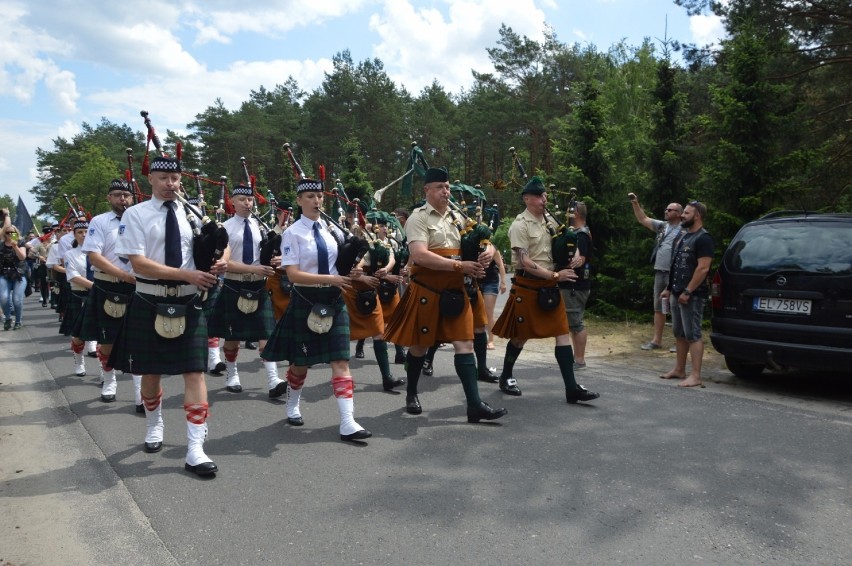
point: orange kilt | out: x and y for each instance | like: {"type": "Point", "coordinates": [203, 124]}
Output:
{"type": "Point", "coordinates": [417, 320]}
{"type": "Point", "coordinates": [280, 299]}
{"type": "Point", "coordinates": [480, 317]}
{"type": "Point", "coordinates": [362, 325]}
{"type": "Point", "coordinates": [390, 307]}
{"type": "Point", "coordinates": [523, 318]}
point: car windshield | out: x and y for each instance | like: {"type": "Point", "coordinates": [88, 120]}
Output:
{"type": "Point", "coordinates": [812, 247]}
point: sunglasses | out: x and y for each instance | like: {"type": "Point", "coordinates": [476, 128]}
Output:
{"type": "Point", "coordinates": [671, 210]}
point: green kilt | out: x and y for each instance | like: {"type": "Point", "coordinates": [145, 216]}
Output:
{"type": "Point", "coordinates": [139, 349]}
{"type": "Point", "coordinates": [211, 299]}
{"type": "Point", "coordinates": [64, 291]}
{"type": "Point", "coordinates": [292, 341]}
{"type": "Point", "coordinates": [228, 322]}
{"type": "Point", "coordinates": [74, 305]}
{"type": "Point", "coordinates": [96, 323]}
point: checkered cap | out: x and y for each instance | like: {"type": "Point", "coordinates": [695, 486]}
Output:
{"type": "Point", "coordinates": [167, 164]}
{"type": "Point", "coordinates": [119, 185]}
{"type": "Point", "coordinates": [308, 185]}
{"type": "Point", "coordinates": [81, 225]}
{"type": "Point", "coordinates": [242, 190]}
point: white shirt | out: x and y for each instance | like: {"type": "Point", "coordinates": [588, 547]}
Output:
{"type": "Point", "coordinates": [75, 263]}
{"type": "Point", "coordinates": [298, 246]}
{"type": "Point", "coordinates": [64, 244]}
{"type": "Point", "coordinates": [103, 233]}
{"type": "Point", "coordinates": [235, 226]}
{"type": "Point", "coordinates": [52, 256]}
{"type": "Point", "coordinates": [142, 231]}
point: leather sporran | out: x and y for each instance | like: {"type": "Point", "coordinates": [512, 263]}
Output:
{"type": "Point", "coordinates": [321, 318]}
{"type": "Point", "coordinates": [170, 321]}
{"type": "Point", "coordinates": [285, 285]}
{"type": "Point", "coordinates": [365, 301]}
{"type": "Point", "coordinates": [548, 298]}
{"type": "Point", "coordinates": [472, 295]}
{"type": "Point", "coordinates": [451, 303]}
{"type": "Point", "coordinates": [248, 301]}
{"type": "Point", "coordinates": [387, 291]}
{"type": "Point", "coordinates": [115, 305]}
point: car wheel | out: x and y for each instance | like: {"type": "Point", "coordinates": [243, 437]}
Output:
{"type": "Point", "coordinates": [742, 368]}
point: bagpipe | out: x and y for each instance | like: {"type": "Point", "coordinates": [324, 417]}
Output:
{"type": "Point", "coordinates": [350, 248]}
{"type": "Point", "coordinates": [210, 240]}
{"type": "Point", "coordinates": [562, 235]}
{"type": "Point", "coordinates": [272, 247]}
{"type": "Point", "coordinates": [138, 195]}
{"type": "Point", "coordinates": [270, 241]}
{"type": "Point", "coordinates": [476, 235]}
{"type": "Point", "coordinates": [76, 209]}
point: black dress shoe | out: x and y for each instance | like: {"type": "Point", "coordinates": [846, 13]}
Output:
{"type": "Point", "coordinates": [488, 376]}
{"type": "Point", "coordinates": [151, 447]}
{"type": "Point", "coordinates": [580, 394]}
{"type": "Point", "coordinates": [484, 412]}
{"type": "Point", "coordinates": [219, 369]}
{"type": "Point", "coordinates": [107, 398]}
{"type": "Point", "coordinates": [203, 469]}
{"type": "Point", "coordinates": [427, 368]}
{"type": "Point", "coordinates": [359, 354]}
{"type": "Point", "coordinates": [234, 388]}
{"type": "Point", "coordinates": [412, 405]}
{"type": "Point", "coordinates": [140, 409]}
{"type": "Point", "coordinates": [357, 435]}
{"type": "Point", "coordinates": [278, 390]}
{"type": "Point", "coordinates": [295, 421]}
{"type": "Point", "coordinates": [389, 384]}
{"type": "Point", "coordinates": [509, 386]}
{"type": "Point", "coordinates": [251, 345]}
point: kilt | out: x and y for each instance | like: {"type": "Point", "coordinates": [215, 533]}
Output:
{"type": "Point", "coordinates": [417, 320]}
{"type": "Point", "coordinates": [280, 298]}
{"type": "Point", "coordinates": [363, 325]}
{"type": "Point", "coordinates": [389, 307]}
{"type": "Point", "coordinates": [226, 321]}
{"type": "Point", "coordinates": [96, 323]}
{"type": "Point", "coordinates": [74, 305]}
{"type": "Point", "coordinates": [139, 349]}
{"type": "Point", "coordinates": [480, 317]}
{"type": "Point", "coordinates": [62, 294]}
{"type": "Point", "coordinates": [522, 317]}
{"type": "Point", "coordinates": [291, 340]}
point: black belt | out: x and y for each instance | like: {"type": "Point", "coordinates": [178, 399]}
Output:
{"type": "Point", "coordinates": [528, 275]}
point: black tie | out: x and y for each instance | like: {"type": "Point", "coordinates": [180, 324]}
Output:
{"type": "Point", "coordinates": [173, 255]}
{"type": "Point", "coordinates": [248, 244]}
{"type": "Point", "coordinates": [322, 250]}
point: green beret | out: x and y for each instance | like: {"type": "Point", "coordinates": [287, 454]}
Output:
{"type": "Point", "coordinates": [436, 175]}
{"type": "Point", "coordinates": [535, 186]}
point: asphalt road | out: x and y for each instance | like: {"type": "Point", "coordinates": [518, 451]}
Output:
{"type": "Point", "coordinates": [737, 472]}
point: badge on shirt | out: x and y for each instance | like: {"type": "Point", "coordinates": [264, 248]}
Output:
{"type": "Point", "coordinates": [287, 250]}
{"type": "Point", "coordinates": [121, 228]}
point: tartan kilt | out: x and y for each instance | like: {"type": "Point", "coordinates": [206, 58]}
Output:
{"type": "Point", "coordinates": [292, 341]}
{"type": "Point", "coordinates": [417, 320]}
{"type": "Point", "coordinates": [96, 323]}
{"type": "Point", "coordinates": [62, 295]}
{"type": "Point", "coordinates": [210, 300]}
{"type": "Point", "coordinates": [523, 318]}
{"type": "Point", "coordinates": [480, 317]}
{"type": "Point", "coordinates": [363, 325]}
{"type": "Point", "coordinates": [74, 305]}
{"type": "Point", "coordinates": [226, 321]}
{"type": "Point", "coordinates": [139, 349]}
{"type": "Point", "coordinates": [280, 298]}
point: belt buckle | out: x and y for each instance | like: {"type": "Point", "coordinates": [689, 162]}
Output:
{"type": "Point", "coordinates": [247, 277]}
{"type": "Point", "coordinates": [171, 291]}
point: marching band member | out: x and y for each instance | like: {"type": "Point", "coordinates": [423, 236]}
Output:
{"type": "Point", "coordinates": [243, 311]}
{"type": "Point", "coordinates": [113, 285]}
{"type": "Point", "coordinates": [277, 284]}
{"type": "Point", "coordinates": [309, 252]}
{"type": "Point", "coordinates": [165, 331]}
{"type": "Point", "coordinates": [535, 308]}
{"type": "Point", "coordinates": [76, 268]}
{"type": "Point", "coordinates": [437, 280]}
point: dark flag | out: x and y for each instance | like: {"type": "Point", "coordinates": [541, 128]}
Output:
{"type": "Point", "coordinates": [23, 220]}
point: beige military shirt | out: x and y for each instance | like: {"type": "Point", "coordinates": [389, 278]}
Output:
{"type": "Point", "coordinates": [435, 229]}
{"type": "Point", "coordinates": [530, 233]}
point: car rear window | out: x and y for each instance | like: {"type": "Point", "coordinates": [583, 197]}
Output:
{"type": "Point", "coordinates": [814, 247]}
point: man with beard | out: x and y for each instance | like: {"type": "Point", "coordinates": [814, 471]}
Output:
{"type": "Point", "coordinates": [691, 258]}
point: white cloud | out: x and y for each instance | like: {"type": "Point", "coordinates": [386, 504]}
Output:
{"type": "Point", "coordinates": [706, 30]}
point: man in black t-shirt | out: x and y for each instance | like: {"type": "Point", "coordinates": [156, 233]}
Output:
{"type": "Point", "coordinates": [575, 294]}
{"type": "Point", "coordinates": [691, 257]}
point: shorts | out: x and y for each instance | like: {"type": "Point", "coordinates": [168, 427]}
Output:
{"type": "Point", "coordinates": [575, 307]}
{"type": "Point", "coordinates": [686, 319]}
{"type": "Point", "coordinates": [490, 287]}
{"type": "Point", "coordinates": [661, 281]}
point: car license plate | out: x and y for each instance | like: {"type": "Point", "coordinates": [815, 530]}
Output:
{"type": "Point", "coordinates": [787, 306]}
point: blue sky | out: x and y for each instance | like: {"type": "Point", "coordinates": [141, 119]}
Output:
{"type": "Point", "coordinates": [65, 62]}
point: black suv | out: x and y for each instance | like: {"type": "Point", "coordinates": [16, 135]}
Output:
{"type": "Point", "coordinates": [782, 296]}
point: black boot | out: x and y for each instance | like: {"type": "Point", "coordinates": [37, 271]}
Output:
{"type": "Point", "coordinates": [359, 349]}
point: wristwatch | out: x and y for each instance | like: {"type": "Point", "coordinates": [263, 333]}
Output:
{"type": "Point", "coordinates": [687, 292]}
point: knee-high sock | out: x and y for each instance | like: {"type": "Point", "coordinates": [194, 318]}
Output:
{"type": "Point", "coordinates": [399, 349]}
{"type": "Point", "coordinates": [295, 394]}
{"type": "Point", "coordinates": [413, 367]}
{"type": "Point", "coordinates": [512, 353]}
{"type": "Point", "coordinates": [359, 345]}
{"type": "Point", "coordinates": [153, 417]}
{"type": "Point", "coordinates": [343, 387]}
{"type": "Point", "coordinates": [77, 348]}
{"type": "Point", "coordinates": [430, 354]}
{"type": "Point", "coordinates": [381, 349]}
{"type": "Point", "coordinates": [466, 370]}
{"type": "Point", "coordinates": [137, 388]}
{"type": "Point", "coordinates": [480, 347]}
{"type": "Point", "coordinates": [196, 432]}
{"type": "Point", "coordinates": [104, 359]}
{"type": "Point", "coordinates": [231, 355]}
{"type": "Point", "coordinates": [565, 359]}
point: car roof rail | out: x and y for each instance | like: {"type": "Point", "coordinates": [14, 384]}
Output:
{"type": "Point", "coordinates": [780, 213]}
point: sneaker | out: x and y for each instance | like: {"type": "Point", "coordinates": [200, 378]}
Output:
{"type": "Point", "coordinates": [650, 346]}
{"type": "Point", "coordinates": [579, 365]}
{"type": "Point", "coordinates": [17, 326]}
{"type": "Point", "coordinates": [673, 350]}
{"type": "Point", "coordinates": [8, 324]}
